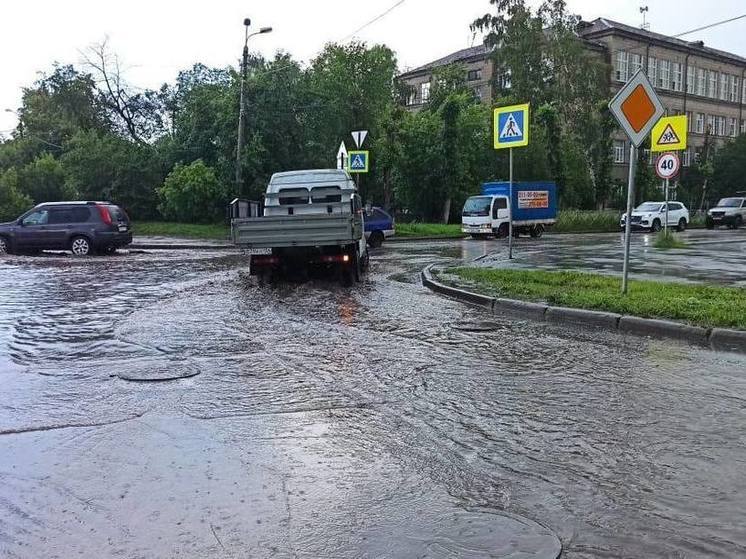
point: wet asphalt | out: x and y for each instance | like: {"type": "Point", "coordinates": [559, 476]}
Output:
{"type": "Point", "coordinates": [162, 404]}
{"type": "Point", "coordinates": [717, 256]}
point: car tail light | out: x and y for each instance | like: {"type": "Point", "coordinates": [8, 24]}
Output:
{"type": "Point", "coordinates": [105, 215]}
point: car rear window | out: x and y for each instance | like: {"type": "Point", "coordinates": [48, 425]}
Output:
{"type": "Point", "coordinates": [117, 213]}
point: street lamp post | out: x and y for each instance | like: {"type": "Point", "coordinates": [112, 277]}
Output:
{"type": "Point", "coordinates": [242, 103]}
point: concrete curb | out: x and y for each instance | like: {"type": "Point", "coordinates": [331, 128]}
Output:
{"type": "Point", "coordinates": [734, 340]}
{"type": "Point", "coordinates": [663, 329]}
{"type": "Point", "coordinates": [583, 317]}
{"type": "Point", "coordinates": [535, 311]}
{"type": "Point", "coordinates": [717, 338]}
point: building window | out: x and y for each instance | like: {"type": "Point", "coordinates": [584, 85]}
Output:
{"type": "Point", "coordinates": [686, 157]}
{"type": "Point", "coordinates": [474, 75]}
{"type": "Point", "coordinates": [504, 81]}
{"type": "Point", "coordinates": [664, 76]}
{"type": "Point", "coordinates": [724, 87]}
{"type": "Point", "coordinates": [690, 79]}
{"type": "Point", "coordinates": [700, 129]}
{"type": "Point", "coordinates": [618, 151]}
{"type": "Point", "coordinates": [478, 93]}
{"type": "Point", "coordinates": [701, 82]}
{"type": "Point", "coordinates": [622, 66]}
{"type": "Point", "coordinates": [710, 125]}
{"type": "Point", "coordinates": [689, 123]}
{"type": "Point", "coordinates": [734, 83]}
{"type": "Point", "coordinates": [425, 92]}
{"type": "Point", "coordinates": [677, 77]}
{"type": "Point", "coordinates": [636, 64]}
{"type": "Point", "coordinates": [743, 126]}
{"type": "Point", "coordinates": [721, 126]}
{"type": "Point", "coordinates": [652, 69]}
{"type": "Point", "coordinates": [712, 91]}
{"type": "Point", "coordinates": [732, 127]}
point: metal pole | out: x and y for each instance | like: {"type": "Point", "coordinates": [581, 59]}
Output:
{"type": "Point", "coordinates": [510, 208]}
{"type": "Point", "coordinates": [665, 228]}
{"type": "Point", "coordinates": [242, 114]}
{"type": "Point", "coordinates": [628, 223]}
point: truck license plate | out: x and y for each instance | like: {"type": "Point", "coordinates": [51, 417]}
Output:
{"type": "Point", "coordinates": [258, 251]}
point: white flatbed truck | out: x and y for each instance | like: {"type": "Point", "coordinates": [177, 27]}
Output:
{"type": "Point", "coordinates": [312, 219]}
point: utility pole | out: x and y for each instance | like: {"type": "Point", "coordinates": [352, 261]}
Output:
{"type": "Point", "coordinates": [242, 102]}
{"type": "Point", "coordinates": [242, 108]}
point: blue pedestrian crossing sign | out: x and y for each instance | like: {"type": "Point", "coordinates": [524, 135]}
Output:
{"type": "Point", "coordinates": [511, 126]}
{"type": "Point", "coordinates": [357, 161]}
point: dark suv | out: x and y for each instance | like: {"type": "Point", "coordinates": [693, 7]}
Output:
{"type": "Point", "coordinates": [82, 227]}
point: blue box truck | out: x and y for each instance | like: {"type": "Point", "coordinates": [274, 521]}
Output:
{"type": "Point", "coordinates": [534, 208]}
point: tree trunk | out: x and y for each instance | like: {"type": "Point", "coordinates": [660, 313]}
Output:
{"type": "Point", "coordinates": [387, 189]}
{"type": "Point", "coordinates": [446, 210]}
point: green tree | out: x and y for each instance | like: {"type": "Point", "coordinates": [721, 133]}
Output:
{"type": "Point", "coordinates": [106, 166]}
{"type": "Point", "coordinates": [12, 201]}
{"type": "Point", "coordinates": [729, 170]}
{"type": "Point", "coordinates": [192, 193]}
{"type": "Point", "coordinates": [43, 180]}
{"type": "Point", "coordinates": [540, 59]}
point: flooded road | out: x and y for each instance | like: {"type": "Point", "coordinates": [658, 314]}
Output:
{"type": "Point", "coordinates": [306, 420]}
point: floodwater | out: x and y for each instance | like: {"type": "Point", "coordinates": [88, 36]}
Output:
{"type": "Point", "coordinates": [164, 405]}
{"type": "Point", "coordinates": [717, 256]}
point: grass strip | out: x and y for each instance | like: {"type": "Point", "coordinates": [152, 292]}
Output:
{"type": "Point", "coordinates": [697, 304]}
{"type": "Point", "coordinates": [186, 230]}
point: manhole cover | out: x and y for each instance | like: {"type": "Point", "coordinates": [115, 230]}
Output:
{"type": "Point", "coordinates": [156, 371]}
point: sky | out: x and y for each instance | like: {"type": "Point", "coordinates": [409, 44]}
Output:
{"type": "Point", "coordinates": [156, 38]}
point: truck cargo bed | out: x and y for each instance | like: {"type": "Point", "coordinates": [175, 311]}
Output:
{"type": "Point", "coordinates": [294, 231]}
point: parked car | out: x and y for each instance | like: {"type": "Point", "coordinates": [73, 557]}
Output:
{"type": "Point", "coordinates": [379, 225]}
{"type": "Point", "coordinates": [81, 227]}
{"type": "Point", "coordinates": [729, 211]}
{"type": "Point", "coordinates": [652, 216]}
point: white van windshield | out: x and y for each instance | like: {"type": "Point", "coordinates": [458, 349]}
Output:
{"type": "Point", "coordinates": [477, 206]}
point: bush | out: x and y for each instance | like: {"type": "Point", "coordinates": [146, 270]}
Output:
{"type": "Point", "coordinates": [12, 202]}
{"type": "Point", "coordinates": [191, 193]}
{"type": "Point", "coordinates": [666, 239]}
{"type": "Point", "coordinates": [579, 221]}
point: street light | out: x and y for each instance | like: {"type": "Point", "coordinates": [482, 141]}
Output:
{"type": "Point", "coordinates": [242, 105]}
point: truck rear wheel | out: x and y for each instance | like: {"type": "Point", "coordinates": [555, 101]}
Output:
{"type": "Point", "coordinates": [537, 231]}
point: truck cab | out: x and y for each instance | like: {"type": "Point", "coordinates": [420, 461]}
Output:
{"type": "Point", "coordinates": [485, 215]}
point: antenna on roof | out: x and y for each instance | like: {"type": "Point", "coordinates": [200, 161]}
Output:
{"type": "Point", "coordinates": [645, 25]}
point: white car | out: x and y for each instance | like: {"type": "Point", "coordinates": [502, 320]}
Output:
{"type": "Point", "coordinates": [652, 216]}
{"type": "Point", "coordinates": [729, 211]}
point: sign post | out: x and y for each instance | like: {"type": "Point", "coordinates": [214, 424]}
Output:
{"type": "Point", "coordinates": [636, 108]}
{"type": "Point", "coordinates": [666, 167]}
{"type": "Point", "coordinates": [670, 133]}
{"type": "Point", "coordinates": [511, 125]}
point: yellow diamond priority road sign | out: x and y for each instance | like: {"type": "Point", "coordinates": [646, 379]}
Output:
{"type": "Point", "coordinates": [669, 134]}
{"type": "Point", "coordinates": [637, 108]}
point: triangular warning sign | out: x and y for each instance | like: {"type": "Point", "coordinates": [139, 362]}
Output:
{"type": "Point", "coordinates": [668, 137]}
{"type": "Point", "coordinates": [510, 128]}
{"type": "Point", "coordinates": [357, 162]}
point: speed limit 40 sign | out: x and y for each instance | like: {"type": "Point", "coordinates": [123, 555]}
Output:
{"type": "Point", "coordinates": [667, 165]}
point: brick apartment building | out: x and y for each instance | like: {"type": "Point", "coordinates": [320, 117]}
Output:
{"type": "Point", "coordinates": [706, 84]}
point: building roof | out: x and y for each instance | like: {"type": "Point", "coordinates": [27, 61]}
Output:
{"type": "Point", "coordinates": [602, 26]}
{"type": "Point", "coordinates": [478, 52]}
